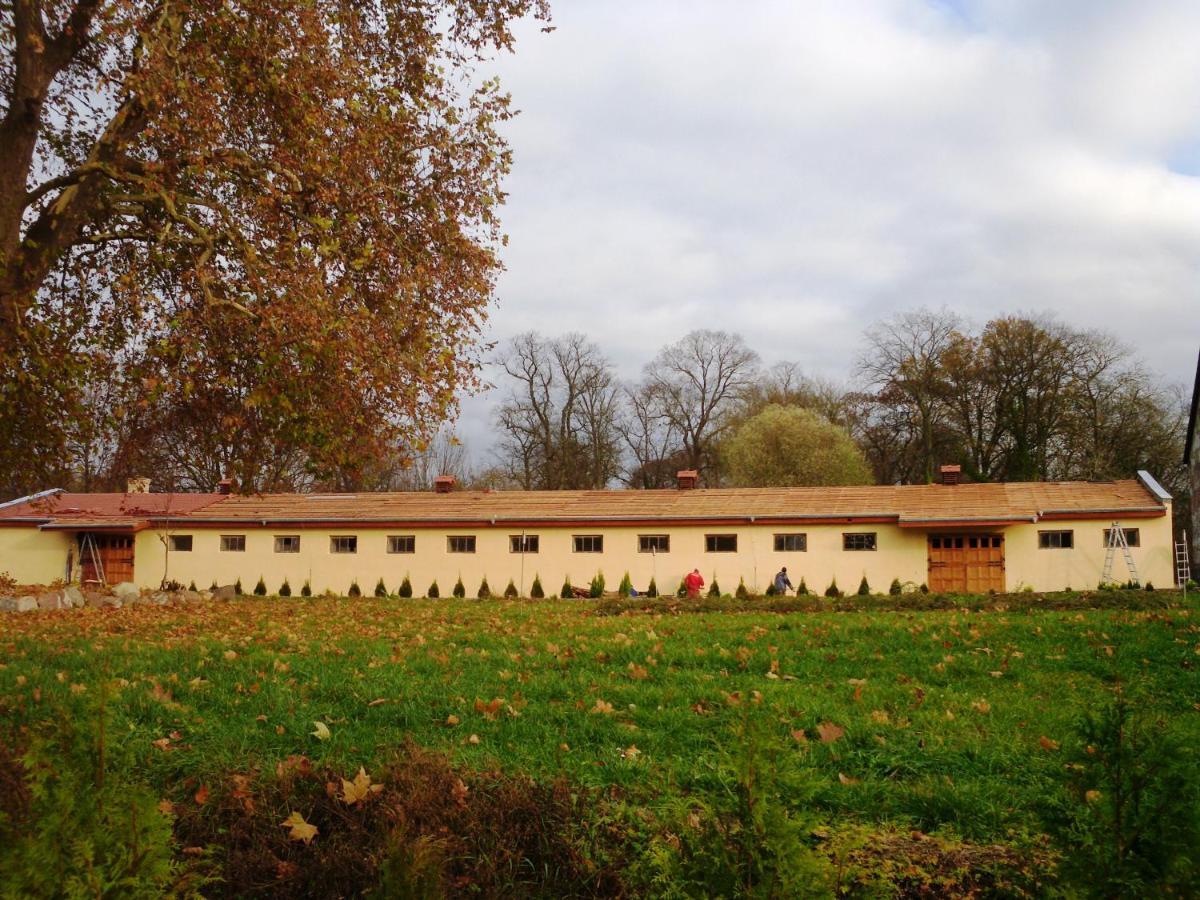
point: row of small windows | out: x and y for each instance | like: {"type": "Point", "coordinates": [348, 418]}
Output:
{"type": "Point", "coordinates": [796, 542]}
{"type": "Point", "coordinates": [1065, 540]}
{"type": "Point", "coordinates": [529, 543]}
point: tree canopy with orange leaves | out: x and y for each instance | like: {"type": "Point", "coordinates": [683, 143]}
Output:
{"type": "Point", "coordinates": [260, 232]}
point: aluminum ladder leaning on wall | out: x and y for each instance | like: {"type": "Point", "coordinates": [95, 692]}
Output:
{"type": "Point", "coordinates": [1116, 538]}
{"type": "Point", "coordinates": [1183, 567]}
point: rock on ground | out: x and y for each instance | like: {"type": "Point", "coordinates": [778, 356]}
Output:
{"type": "Point", "coordinates": [126, 590]}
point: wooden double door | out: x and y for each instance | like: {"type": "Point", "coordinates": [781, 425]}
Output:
{"type": "Point", "coordinates": [966, 563]}
{"type": "Point", "coordinates": [105, 558]}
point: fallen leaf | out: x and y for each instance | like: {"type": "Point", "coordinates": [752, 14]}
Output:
{"type": "Point", "coordinates": [379, 702]}
{"type": "Point", "coordinates": [846, 779]}
{"type": "Point", "coordinates": [300, 830]}
{"type": "Point", "coordinates": [360, 788]}
{"type": "Point", "coordinates": [631, 752]}
{"type": "Point", "coordinates": [473, 739]}
{"type": "Point", "coordinates": [322, 731]}
{"type": "Point", "coordinates": [1047, 744]}
{"type": "Point", "coordinates": [452, 720]}
{"type": "Point", "coordinates": [602, 706]}
{"type": "Point", "coordinates": [829, 732]}
{"type": "Point", "coordinates": [981, 706]}
{"type": "Point", "coordinates": [201, 796]}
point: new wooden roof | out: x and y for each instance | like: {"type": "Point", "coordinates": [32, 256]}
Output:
{"type": "Point", "coordinates": [912, 505]}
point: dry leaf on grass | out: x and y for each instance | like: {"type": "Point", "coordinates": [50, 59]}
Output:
{"type": "Point", "coordinates": [300, 830]}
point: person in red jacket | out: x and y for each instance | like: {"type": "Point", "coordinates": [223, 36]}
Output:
{"type": "Point", "coordinates": [693, 582]}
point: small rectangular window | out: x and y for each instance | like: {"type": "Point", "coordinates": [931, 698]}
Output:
{"type": "Point", "coordinates": [402, 543]}
{"type": "Point", "coordinates": [791, 543]}
{"type": "Point", "coordinates": [343, 543]}
{"type": "Point", "coordinates": [1133, 536]}
{"type": "Point", "coordinates": [460, 543]}
{"type": "Point", "coordinates": [720, 543]}
{"type": "Point", "coordinates": [233, 543]}
{"type": "Point", "coordinates": [654, 543]}
{"type": "Point", "coordinates": [181, 543]}
{"type": "Point", "coordinates": [523, 543]}
{"type": "Point", "coordinates": [1056, 540]}
{"type": "Point", "coordinates": [589, 543]}
{"type": "Point", "coordinates": [287, 543]}
{"type": "Point", "coordinates": [862, 540]}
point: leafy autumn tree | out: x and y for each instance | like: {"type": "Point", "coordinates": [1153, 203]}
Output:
{"type": "Point", "coordinates": [785, 445]}
{"type": "Point", "coordinates": [273, 221]}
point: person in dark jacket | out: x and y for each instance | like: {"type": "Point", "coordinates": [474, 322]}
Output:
{"type": "Point", "coordinates": [782, 583]}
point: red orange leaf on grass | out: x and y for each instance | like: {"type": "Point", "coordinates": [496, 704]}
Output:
{"type": "Point", "coordinates": [829, 732]}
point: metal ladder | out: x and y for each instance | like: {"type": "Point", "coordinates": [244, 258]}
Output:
{"type": "Point", "coordinates": [1183, 568]}
{"type": "Point", "coordinates": [1116, 538]}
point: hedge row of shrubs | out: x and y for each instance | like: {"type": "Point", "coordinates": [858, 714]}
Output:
{"type": "Point", "coordinates": [597, 584]}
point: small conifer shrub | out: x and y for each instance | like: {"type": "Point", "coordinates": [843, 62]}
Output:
{"type": "Point", "coordinates": [191, 585]}
{"type": "Point", "coordinates": [832, 590]}
{"type": "Point", "coordinates": [896, 588]}
{"type": "Point", "coordinates": [682, 592]}
{"type": "Point", "coordinates": [511, 590]}
{"type": "Point", "coordinates": [460, 589]}
{"type": "Point", "coordinates": [237, 587]}
{"type": "Point", "coordinates": [567, 590]}
{"type": "Point", "coordinates": [741, 593]}
{"type": "Point", "coordinates": [355, 590]}
{"type": "Point", "coordinates": [405, 589]}
{"type": "Point", "coordinates": [380, 588]}
{"type": "Point", "coordinates": [652, 589]}
{"type": "Point", "coordinates": [803, 590]}
{"type": "Point", "coordinates": [924, 588]}
{"type": "Point", "coordinates": [714, 590]}
{"type": "Point", "coordinates": [596, 589]}
{"type": "Point", "coordinates": [213, 586]}
{"type": "Point", "coordinates": [306, 589]}
{"type": "Point", "coordinates": [625, 587]}
{"type": "Point", "coordinates": [285, 589]}
{"type": "Point", "coordinates": [864, 589]}
{"type": "Point", "coordinates": [771, 592]}
{"type": "Point", "coordinates": [484, 591]}
{"type": "Point", "coordinates": [433, 593]}
{"type": "Point", "coordinates": [260, 589]}
{"type": "Point", "coordinates": [535, 590]}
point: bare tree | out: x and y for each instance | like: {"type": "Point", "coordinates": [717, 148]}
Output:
{"type": "Point", "coordinates": [904, 359]}
{"type": "Point", "coordinates": [652, 438]}
{"type": "Point", "coordinates": [559, 421]}
{"type": "Point", "coordinates": [697, 385]}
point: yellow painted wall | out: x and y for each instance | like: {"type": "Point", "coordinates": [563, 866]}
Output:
{"type": "Point", "coordinates": [32, 556]}
{"type": "Point", "coordinates": [1080, 568]}
{"type": "Point", "coordinates": [901, 554]}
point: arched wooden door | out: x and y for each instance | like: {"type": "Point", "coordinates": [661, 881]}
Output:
{"type": "Point", "coordinates": [966, 563]}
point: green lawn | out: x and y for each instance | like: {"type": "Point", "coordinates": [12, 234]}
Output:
{"type": "Point", "coordinates": [951, 722]}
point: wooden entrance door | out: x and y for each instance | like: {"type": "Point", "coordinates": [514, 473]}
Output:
{"type": "Point", "coordinates": [115, 553]}
{"type": "Point", "coordinates": [966, 563]}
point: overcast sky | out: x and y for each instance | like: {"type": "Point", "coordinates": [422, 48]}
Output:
{"type": "Point", "coordinates": [795, 171]}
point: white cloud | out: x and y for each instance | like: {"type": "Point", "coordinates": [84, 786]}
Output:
{"type": "Point", "coordinates": [794, 171]}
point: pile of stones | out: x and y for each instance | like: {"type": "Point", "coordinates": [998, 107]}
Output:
{"type": "Point", "coordinates": [124, 594]}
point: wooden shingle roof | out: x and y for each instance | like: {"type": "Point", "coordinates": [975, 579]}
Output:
{"type": "Point", "coordinates": [926, 504]}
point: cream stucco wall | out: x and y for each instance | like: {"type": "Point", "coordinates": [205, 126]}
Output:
{"type": "Point", "coordinates": [32, 556]}
{"type": "Point", "coordinates": [901, 554]}
{"type": "Point", "coordinates": [1081, 567]}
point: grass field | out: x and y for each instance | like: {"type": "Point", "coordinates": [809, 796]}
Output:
{"type": "Point", "coordinates": [865, 730]}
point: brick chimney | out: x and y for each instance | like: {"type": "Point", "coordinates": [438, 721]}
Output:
{"type": "Point", "coordinates": [950, 474]}
{"type": "Point", "coordinates": [137, 486]}
{"type": "Point", "coordinates": [686, 479]}
{"type": "Point", "coordinates": [225, 486]}
{"type": "Point", "coordinates": [443, 484]}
